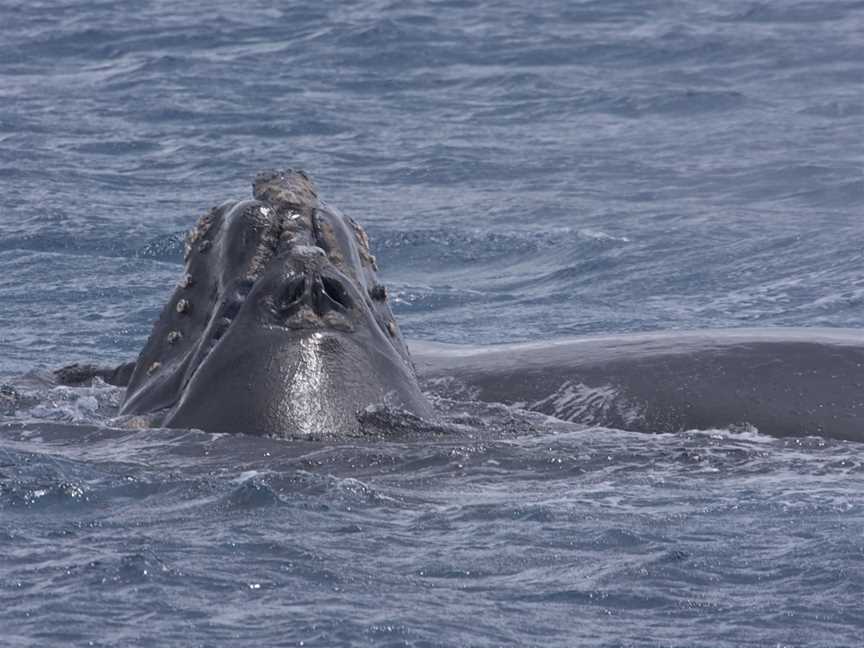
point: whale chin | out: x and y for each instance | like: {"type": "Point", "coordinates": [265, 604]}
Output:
{"type": "Point", "coordinates": [305, 382]}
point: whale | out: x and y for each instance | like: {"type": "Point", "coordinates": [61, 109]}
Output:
{"type": "Point", "coordinates": [280, 325]}
{"type": "Point", "coordinates": [783, 382]}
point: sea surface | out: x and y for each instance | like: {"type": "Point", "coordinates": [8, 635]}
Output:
{"type": "Point", "coordinates": [525, 171]}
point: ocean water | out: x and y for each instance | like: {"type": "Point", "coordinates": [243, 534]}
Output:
{"type": "Point", "coordinates": [525, 171]}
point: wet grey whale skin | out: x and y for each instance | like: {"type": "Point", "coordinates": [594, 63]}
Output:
{"type": "Point", "coordinates": [278, 327]}
{"type": "Point", "coordinates": [782, 381]}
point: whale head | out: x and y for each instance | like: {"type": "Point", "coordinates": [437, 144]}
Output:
{"type": "Point", "coordinates": [279, 326]}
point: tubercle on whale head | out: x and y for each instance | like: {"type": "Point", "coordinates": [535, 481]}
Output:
{"type": "Point", "coordinates": [282, 261]}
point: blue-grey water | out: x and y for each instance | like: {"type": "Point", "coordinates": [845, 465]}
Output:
{"type": "Point", "coordinates": [525, 171]}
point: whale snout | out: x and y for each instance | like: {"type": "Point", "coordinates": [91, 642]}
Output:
{"type": "Point", "coordinates": [276, 288]}
{"type": "Point", "coordinates": [311, 300]}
